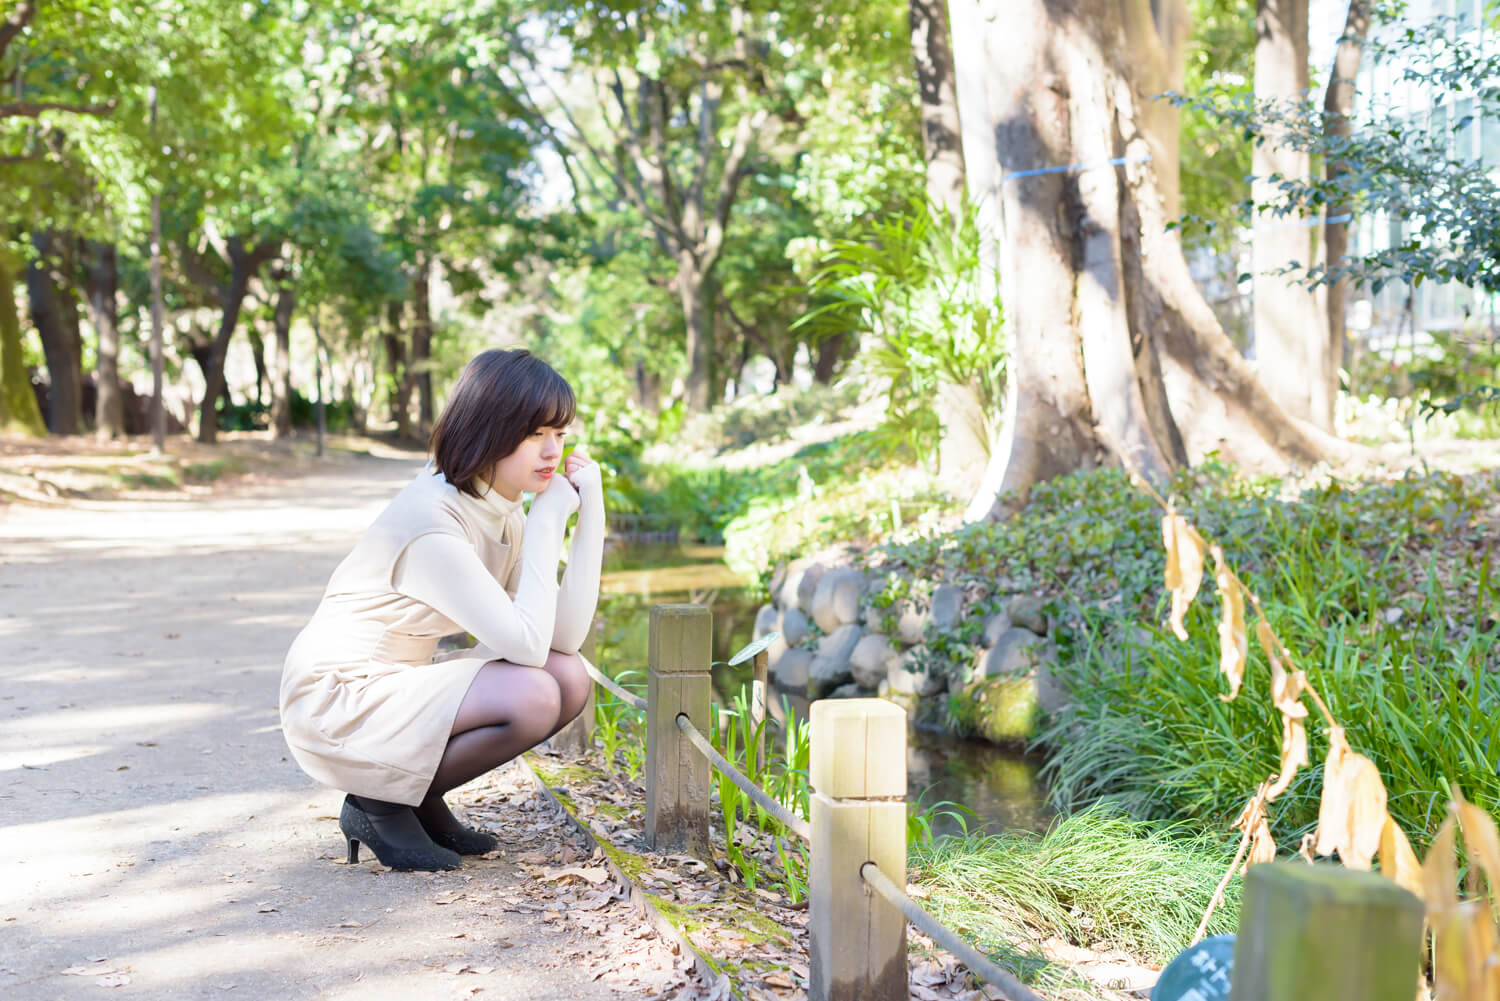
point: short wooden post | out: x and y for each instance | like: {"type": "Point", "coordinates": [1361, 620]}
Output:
{"type": "Point", "coordinates": [578, 736]}
{"type": "Point", "coordinates": [1325, 932]}
{"type": "Point", "coordinates": [677, 776]}
{"type": "Point", "coordinates": [762, 665]}
{"type": "Point", "coordinates": [858, 772]}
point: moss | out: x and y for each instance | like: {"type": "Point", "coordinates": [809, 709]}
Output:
{"type": "Point", "coordinates": [1003, 710]}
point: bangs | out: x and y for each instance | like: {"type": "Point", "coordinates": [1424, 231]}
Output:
{"type": "Point", "coordinates": [553, 405]}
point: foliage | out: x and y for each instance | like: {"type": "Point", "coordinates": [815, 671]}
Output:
{"type": "Point", "coordinates": [1214, 157]}
{"type": "Point", "coordinates": [1387, 589]}
{"type": "Point", "coordinates": [914, 288]}
{"type": "Point", "coordinates": [1397, 167]}
{"type": "Point", "coordinates": [1094, 877]}
{"type": "Point", "coordinates": [1455, 375]}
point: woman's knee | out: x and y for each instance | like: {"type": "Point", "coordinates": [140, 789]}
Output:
{"type": "Point", "coordinates": [526, 698]}
{"type": "Point", "coordinates": [573, 682]}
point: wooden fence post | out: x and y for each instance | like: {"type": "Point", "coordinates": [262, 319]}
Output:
{"type": "Point", "coordinates": [1325, 932]}
{"type": "Point", "coordinates": [858, 772]}
{"type": "Point", "coordinates": [578, 736]}
{"type": "Point", "coordinates": [677, 776]}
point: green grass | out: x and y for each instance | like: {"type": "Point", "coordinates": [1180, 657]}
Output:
{"type": "Point", "coordinates": [1095, 879]}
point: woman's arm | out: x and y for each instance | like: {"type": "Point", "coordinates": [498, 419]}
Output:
{"type": "Point", "coordinates": [444, 572]}
{"type": "Point", "coordinates": [579, 595]}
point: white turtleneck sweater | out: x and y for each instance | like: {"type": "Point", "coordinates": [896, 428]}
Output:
{"type": "Point", "coordinates": [444, 572]}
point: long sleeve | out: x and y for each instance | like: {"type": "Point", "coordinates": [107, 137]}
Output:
{"type": "Point", "coordinates": [445, 572]}
{"type": "Point", "coordinates": [578, 596]}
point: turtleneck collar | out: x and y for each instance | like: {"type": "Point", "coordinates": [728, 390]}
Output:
{"type": "Point", "coordinates": [491, 506]}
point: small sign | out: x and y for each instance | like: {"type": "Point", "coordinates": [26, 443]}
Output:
{"type": "Point", "coordinates": [754, 648]}
{"type": "Point", "coordinates": [1199, 973]}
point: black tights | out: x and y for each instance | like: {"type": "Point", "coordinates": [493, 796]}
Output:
{"type": "Point", "coordinates": [506, 710]}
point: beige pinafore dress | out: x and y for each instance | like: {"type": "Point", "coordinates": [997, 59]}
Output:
{"type": "Point", "coordinates": [364, 706]}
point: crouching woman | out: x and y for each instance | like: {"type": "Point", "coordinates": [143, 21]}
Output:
{"type": "Point", "coordinates": [365, 706]}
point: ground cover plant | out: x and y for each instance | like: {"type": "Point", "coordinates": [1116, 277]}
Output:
{"type": "Point", "coordinates": [1386, 587]}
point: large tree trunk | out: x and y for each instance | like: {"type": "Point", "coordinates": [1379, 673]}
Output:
{"type": "Point", "coordinates": [281, 359]}
{"type": "Point", "coordinates": [942, 145]}
{"type": "Point", "coordinates": [1114, 355]}
{"type": "Point", "coordinates": [54, 311]}
{"type": "Point", "coordinates": [963, 448]}
{"type": "Point", "coordinates": [1338, 107]}
{"type": "Point", "coordinates": [1290, 324]}
{"type": "Point", "coordinates": [103, 285]}
{"type": "Point", "coordinates": [18, 409]}
{"type": "Point", "coordinates": [243, 263]}
{"type": "Point", "coordinates": [421, 344]}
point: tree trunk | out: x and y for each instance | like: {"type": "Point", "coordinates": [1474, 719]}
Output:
{"type": "Point", "coordinates": [692, 290]}
{"type": "Point", "coordinates": [243, 264]}
{"type": "Point", "coordinates": [942, 146]}
{"type": "Point", "coordinates": [825, 366]}
{"type": "Point", "coordinates": [281, 359]}
{"type": "Point", "coordinates": [1290, 323]}
{"type": "Point", "coordinates": [1338, 107]}
{"type": "Point", "coordinates": [401, 383]}
{"type": "Point", "coordinates": [421, 344]}
{"type": "Point", "coordinates": [54, 311]}
{"type": "Point", "coordinates": [1114, 354]}
{"type": "Point", "coordinates": [258, 355]}
{"type": "Point", "coordinates": [103, 286]}
{"type": "Point", "coordinates": [18, 409]}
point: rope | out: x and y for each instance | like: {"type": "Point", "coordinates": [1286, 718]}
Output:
{"type": "Point", "coordinates": [609, 683]}
{"type": "Point", "coordinates": [976, 961]}
{"type": "Point", "coordinates": [790, 820]}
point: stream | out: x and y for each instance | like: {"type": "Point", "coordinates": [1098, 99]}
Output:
{"type": "Point", "coordinates": [1000, 786]}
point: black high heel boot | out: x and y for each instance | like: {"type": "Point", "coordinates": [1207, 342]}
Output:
{"type": "Point", "coordinates": [395, 836]}
{"type": "Point", "coordinates": [444, 829]}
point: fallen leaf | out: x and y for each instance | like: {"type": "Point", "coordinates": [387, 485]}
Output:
{"type": "Point", "coordinates": [589, 874]}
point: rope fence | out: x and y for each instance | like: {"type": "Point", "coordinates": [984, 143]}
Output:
{"type": "Point", "coordinates": [606, 682]}
{"type": "Point", "coordinates": [785, 817]}
{"type": "Point", "coordinates": [857, 910]}
{"type": "Point", "coordinates": [976, 961]}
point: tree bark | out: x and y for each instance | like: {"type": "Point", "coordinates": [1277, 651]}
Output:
{"type": "Point", "coordinates": [1290, 323]}
{"type": "Point", "coordinates": [1338, 108]}
{"type": "Point", "coordinates": [692, 291]}
{"type": "Point", "coordinates": [942, 145]}
{"type": "Point", "coordinates": [401, 384]}
{"type": "Point", "coordinates": [54, 311]}
{"type": "Point", "coordinates": [1114, 354]}
{"type": "Point", "coordinates": [243, 264]}
{"type": "Point", "coordinates": [281, 359]}
{"type": "Point", "coordinates": [103, 286]}
{"type": "Point", "coordinates": [421, 344]}
{"type": "Point", "coordinates": [18, 409]}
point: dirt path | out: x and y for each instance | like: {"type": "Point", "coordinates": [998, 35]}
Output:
{"type": "Point", "coordinates": [157, 841]}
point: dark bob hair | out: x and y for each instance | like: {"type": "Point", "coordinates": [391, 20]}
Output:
{"type": "Point", "coordinates": [501, 397]}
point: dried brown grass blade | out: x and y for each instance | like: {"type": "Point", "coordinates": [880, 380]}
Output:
{"type": "Point", "coordinates": [1184, 571]}
{"type": "Point", "coordinates": [1397, 861]}
{"type": "Point", "coordinates": [1293, 752]}
{"type": "Point", "coordinates": [1234, 645]}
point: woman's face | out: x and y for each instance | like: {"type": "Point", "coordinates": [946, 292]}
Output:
{"type": "Point", "coordinates": [531, 466]}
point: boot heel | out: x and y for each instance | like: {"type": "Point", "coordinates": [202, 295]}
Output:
{"type": "Point", "coordinates": [353, 851]}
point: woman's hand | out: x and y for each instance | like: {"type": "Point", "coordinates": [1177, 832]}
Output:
{"type": "Point", "coordinates": [560, 493]}
{"type": "Point", "coordinates": [583, 472]}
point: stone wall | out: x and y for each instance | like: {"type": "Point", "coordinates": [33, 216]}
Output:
{"type": "Point", "coordinates": [835, 644]}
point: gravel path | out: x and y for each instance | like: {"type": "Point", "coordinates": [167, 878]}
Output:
{"type": "Point", "coordinates": [157, 841]}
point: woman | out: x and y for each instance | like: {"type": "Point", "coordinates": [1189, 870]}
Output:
{"type": "Point", "coordinates": [364, 705]}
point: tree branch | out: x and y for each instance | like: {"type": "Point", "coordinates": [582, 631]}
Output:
{"type": "Point", "coordinates": [19, 18]}
{"type": "Point", "coordinates": [745, 131]}
{"type": "Point", "coordinates": [33, 109]}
